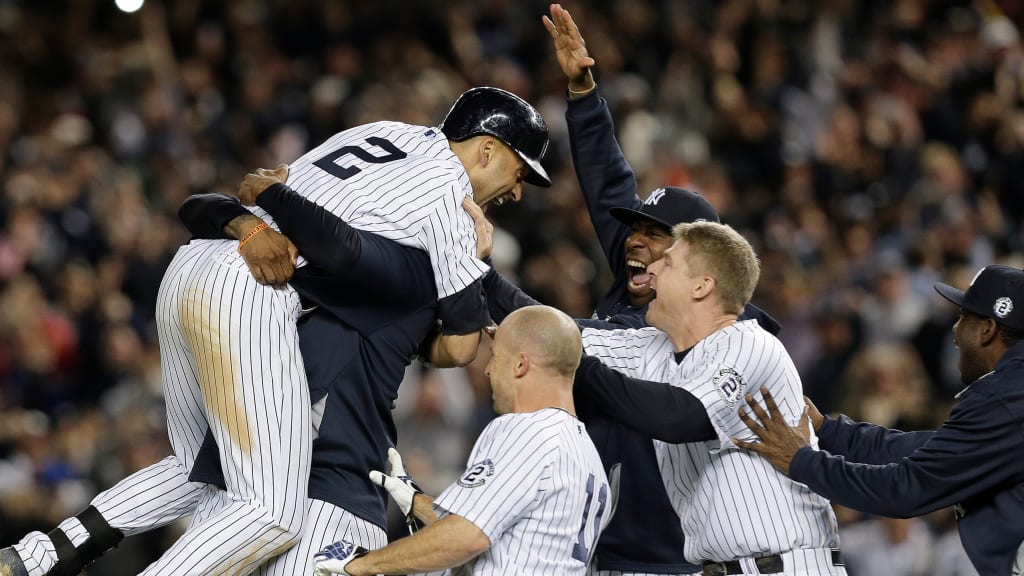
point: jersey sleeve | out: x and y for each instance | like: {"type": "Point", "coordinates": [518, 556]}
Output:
{"type": "Point", "coordinates": [451, 243]}
{"type": "Point", "coordinates": [738, 364]}
{"type": "Point", "coordinates": [622, 350]}
{"type": "Point", "coordinates": [509, 471]}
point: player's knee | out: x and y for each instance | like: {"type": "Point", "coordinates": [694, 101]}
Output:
{"type": "Point", "coordinates": [284, 532]}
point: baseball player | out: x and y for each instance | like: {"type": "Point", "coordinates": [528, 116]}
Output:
{"type": "Point", "coordinates": [737, 513]}
{"type": "Point", "coordinates": [356, 391]}
{"type": "Point", "coordinates": [972, 462]}
{"type": "Point", "coordinates": [534, 495]}
{"type": "Point", "coordinates": [220, 328]}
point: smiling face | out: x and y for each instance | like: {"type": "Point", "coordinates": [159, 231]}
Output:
{"type": "Point", "coordinates": [645, 244]}
{"type": "Point", "coordinates": [673, 280]}
{"type": "Point", "coordinates": [499, 176]}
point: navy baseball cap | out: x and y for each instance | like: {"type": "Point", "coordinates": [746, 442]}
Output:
{"type": "Point", "coordinates": [669, 206]}
{"type": "Point", "coordinates": [996, 292]}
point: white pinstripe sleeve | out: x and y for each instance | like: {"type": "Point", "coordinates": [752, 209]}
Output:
{"type": "Point", "coordinates": [623, 350]}
{"type": "Point", "coordinates": [451, 243]}
{"type": "Point", "coordinates": [739, 361]}
{"type": "Point", "coordinates": [508, 472]}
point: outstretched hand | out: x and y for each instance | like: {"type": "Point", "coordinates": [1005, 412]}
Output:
{"type": "Point", "coordinates": [484, 228]}
{"type": "Point", "coordinates": [779, 441]}
{"type": "Point", "coordinates": [256, 182]}
{"type": "Point", "coordinates": [570, 49]}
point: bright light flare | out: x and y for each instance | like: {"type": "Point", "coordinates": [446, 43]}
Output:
{"type": "Point", "coordinates": [129, 6]}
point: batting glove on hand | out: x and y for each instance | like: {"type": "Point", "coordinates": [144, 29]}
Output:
{"type": "Point", "coordinates": [334, 558]}
{"type": "Point", "coordinates": [399, 484]}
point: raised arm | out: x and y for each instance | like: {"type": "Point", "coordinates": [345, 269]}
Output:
{"type": "Point", "coordinates": [604, 176]}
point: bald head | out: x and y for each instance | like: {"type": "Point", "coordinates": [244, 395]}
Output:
{"type": "Point", "coordinates": [549, 336]}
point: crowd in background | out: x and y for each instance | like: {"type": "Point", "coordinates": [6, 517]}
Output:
{"type": "Point", "coordinates": [867, 148]}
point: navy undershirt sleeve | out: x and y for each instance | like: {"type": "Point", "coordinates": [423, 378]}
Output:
{"type": "Point", "coordinates": [656, 409]}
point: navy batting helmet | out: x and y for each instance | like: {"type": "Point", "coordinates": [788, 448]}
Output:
{"type": "Point", "coordinates": [504, 115]}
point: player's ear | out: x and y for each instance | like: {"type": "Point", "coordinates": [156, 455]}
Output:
{"type": "Point", "coordinates": [488, 147]}
{"type": "Point", "coordinates": [522, 365]}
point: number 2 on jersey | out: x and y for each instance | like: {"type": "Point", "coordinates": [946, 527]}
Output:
{"type": "Point", "coordinates": [580, 551]}
{"type": "Point", "coordinates": [327, 163]}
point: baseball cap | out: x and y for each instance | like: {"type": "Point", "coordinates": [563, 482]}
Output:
{"type": "Point", "coordinates": [996, 292]}
{"type": "Point", "coordinates": [669, 206]}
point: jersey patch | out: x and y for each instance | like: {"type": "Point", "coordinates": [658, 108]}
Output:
{"type": "Point", "coordinates": [477, 474]}
{"type": "Point", "coordinates": [729, 384]}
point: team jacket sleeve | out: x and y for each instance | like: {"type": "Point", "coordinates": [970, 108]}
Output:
{"type": "Point", "coordinates": [206, 215]}
{"type": "Point", "coordinates": [656, 409]}
{"type": "Point", "coordinates": [509, 470]}
{"type": "Point", "coordinates": [967, 456]}
{"type": "Point", "coordinates": [327, 241]}
{"type": "Point", "coordinates": [869, 443]}
{"type": "Point", "coordinates": [504, 297]}
{"type": "Point", "coordinates": [605, 177]}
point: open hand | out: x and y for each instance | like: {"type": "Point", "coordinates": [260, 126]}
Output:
{"type": "Point", "coordinates": [570, 49]}
{"type": "Point", "coordinates": [779, 441]}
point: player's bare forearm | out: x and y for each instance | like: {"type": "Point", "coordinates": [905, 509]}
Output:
{"type": "Point", "coordinates": [423, 509]}
{"type": "Point", "coordinates": [454, 350]}
{"type": "Point", "coordinates": [451, 541]}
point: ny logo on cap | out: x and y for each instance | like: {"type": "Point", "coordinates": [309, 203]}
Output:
{"type": "Point", "coordinates": [1002, 307]}
{"type": "Point", "coordinates": [655, 197]}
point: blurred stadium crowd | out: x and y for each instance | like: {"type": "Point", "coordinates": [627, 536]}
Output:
{"type": "Point", "coordinates": [868, 148]}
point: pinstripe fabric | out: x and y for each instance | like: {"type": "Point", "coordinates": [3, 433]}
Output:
{"type": "Point", "coordinates": [594, 572]}
{"type": "Point", "coordinates": [731, 504]}
{"type": "Point", "coordinates": [526, 487]}
{"type": "Point", "coordinates": [325, 524]}
{"type": "Point", "coordinates": [230, 364]}
{"type": "Point", "coordinates": [415, 199]}
{"type": "Point", "coordinates": [152, 497]}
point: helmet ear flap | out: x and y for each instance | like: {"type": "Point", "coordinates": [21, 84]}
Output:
{"type": "Point", "coordinates": [489, 110]}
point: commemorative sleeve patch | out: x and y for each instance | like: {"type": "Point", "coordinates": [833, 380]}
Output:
{"type": "Point", "coordinates": [730, 385]}
{"type": "Point", "coordinates": [477, 474]}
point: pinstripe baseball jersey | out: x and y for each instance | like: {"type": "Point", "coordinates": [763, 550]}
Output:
{"type": "Point", "coordinates": [536, 486]}
{"type": "Point", "coordinates": [402, 182]}
{"type": "Point", "coordinates": [732, 504]}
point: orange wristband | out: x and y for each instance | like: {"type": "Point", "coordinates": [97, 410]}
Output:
{"type": "Point", "coordinates": [248, 235]}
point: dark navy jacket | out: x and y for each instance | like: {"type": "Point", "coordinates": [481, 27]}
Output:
{"type": "Point", "coordinates": [974, 461]}
{"type": "Point", "coordinates": [373, 312]}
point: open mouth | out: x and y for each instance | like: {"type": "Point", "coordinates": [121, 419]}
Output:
{"type": "Point", "coordinates": [639, 279]}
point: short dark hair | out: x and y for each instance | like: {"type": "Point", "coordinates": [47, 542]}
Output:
{"type": "Point", "coordinates": [1009, 336]}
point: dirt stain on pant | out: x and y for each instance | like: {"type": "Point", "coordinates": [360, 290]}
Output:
{"type": "Point", "coordinates": [217, 364]}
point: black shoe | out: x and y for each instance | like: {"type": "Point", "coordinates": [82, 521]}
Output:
{"type": "Point", "coordinates": [11, 564]}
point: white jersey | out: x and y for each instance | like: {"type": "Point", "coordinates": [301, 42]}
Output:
{"type": "Point", "coordinates": [402, 182]}
{"type": "Point", "coordinates": [536, 486]}
{"type": "Point", "coordinates": [731, 503]}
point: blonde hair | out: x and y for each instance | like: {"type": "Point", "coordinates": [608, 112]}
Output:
{"type": "Point", "coordinates": [719, 251]}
